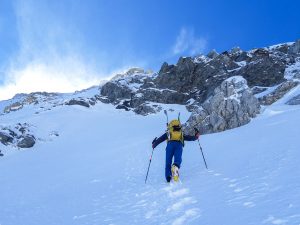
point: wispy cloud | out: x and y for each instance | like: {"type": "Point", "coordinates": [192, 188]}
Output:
{"type": "Point", "coordinates": [61, 76]}
{"type": "Point", "coordinates": [56, 54]}
{"type": "Point", "coordinates": [50, 56]}
{"type": "Point", "coordinates": [187, 42]}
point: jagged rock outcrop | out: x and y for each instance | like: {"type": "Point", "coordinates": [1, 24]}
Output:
{"type": "Point", "coordinates": [80, 102]}
{"type": "Point", "coordinates": [13, 107]}
{"type": "Point", "coordinates": [278, 93]}
{"type": "Point", "coordinates": [145, 109]}
{"type": "Point", "coordinates": [160, 96]}
{"type": "Point", "coordinates": [212, 54]}
{"type": "Point", "coordinates": [114, 91]}
{"type": "Point", "coordinates": [29, 99]}
{"type": "Point", "coordinates": [47, 101]}
{"type": "Point", "coordinates": [209, 85]}
{"type": "Point", "coordinates": [197, 78]}
{"type": "Point", "coordinates": [263, 69]}
{"type": "Point", "coordinates": [232, 105]}
{"type": "Point", "coordinates": [133, 90]}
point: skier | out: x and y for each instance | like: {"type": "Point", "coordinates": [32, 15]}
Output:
{"type": "Point", "coordinates": [175, 138]}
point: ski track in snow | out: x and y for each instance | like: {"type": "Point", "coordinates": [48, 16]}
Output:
{"type": "Point", "coordinates": [149, 206]}
{"type": "Point", "coordinates": [243, 193]}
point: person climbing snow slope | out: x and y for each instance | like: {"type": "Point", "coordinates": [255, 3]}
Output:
{"type": "Point", "coordinates": [175, 143]}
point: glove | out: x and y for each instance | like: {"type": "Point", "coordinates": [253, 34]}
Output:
{"type": "Point", "coordinates": [153, 143]}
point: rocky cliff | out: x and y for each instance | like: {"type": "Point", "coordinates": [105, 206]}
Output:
{"type": "Point", "coordinates": [210, 85]}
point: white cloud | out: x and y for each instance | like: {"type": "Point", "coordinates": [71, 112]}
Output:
{"type": "Point", "coordinates": [65, 76]}
{"type": "Point", "coordinates": [187, 42]}
{"type": "Point", "coordinates": [50, 57]}
{"type": "Point", "coordinates": [54, 55]}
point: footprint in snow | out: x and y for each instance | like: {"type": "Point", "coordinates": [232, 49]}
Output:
{"type": "Point", "coordinates": [188, 215]}
{"type": "Point", "coordinates": [273, 220]}
{"type": "Point", "coordinates": [179, 193]}
{"type": "Point", "coordinates": [95, 181]}
{"type": "Point", "coordinates": [150, 214]}
{"type": "Point", "coordinates": [249, 204]}
{"type": "Point", "coordinates": [240, 189]}
{"type": "Point", "coordinates": [181, 203]}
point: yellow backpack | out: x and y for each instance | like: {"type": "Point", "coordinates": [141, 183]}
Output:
{"type": "Point", "coordinates": [175, 131]}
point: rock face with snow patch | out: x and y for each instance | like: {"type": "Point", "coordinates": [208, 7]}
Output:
{"type": "Point", "coordinates": [278, 93]}
{"type": "Point", "coordinates": [196, 78]}
{"type": "Point", "coordinates": [13, 107]}
{"type": "Point", "coordinates": [135, 90]}
{"type": "Point", "coordinates": [22, 100]}
{"type": "Point", "coordinates": [232, 105]}
{"type": "Point", "coordinates": [215, 88]}
{"type": "Point", "coordinates": [264, 68]}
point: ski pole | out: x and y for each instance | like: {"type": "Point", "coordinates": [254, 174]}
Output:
{"type": "Point", "coordinates": [149, 165]}
{"type": "Point", "coordinates": [197, 131]}
{"type": "Point", "coordinates": [202, 154]}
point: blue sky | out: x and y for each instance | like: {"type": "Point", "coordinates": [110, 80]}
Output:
{"type": "Point", "coordinates": [63, 45]}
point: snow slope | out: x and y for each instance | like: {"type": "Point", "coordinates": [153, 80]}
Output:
{"type": "Point", "coordinates": [94, 171]}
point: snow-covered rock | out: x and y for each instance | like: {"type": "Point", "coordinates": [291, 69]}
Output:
{"type": "Point", "coordinates": [232, 105]}
{"type": "Point", "coordinates": [5, 138]}
{"type": "Point", "coordinates": [278, 92]}
{"type": "Point", "coordinates": [18, 135]}
{"type": "Point", "coordinates": [26, 142]}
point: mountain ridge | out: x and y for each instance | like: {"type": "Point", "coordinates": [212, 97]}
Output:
{"type": "Point", "coordinates": [199, 83]}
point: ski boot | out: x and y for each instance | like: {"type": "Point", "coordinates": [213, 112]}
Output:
{"type": "Point", "coordinates": [175, 173]}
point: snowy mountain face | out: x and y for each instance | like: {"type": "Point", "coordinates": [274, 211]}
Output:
{"type": "Point", "coordinates": [208, 86]}
{"type": "Point", "coordinates": [196, 82]}
{"type": "Point", "coordinates": [21, 135]}
{"type": "Point", "coordinates": [81, 158]}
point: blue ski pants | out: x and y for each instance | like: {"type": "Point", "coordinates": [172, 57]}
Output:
{"type": "Point", "coordinates": [174, 149]}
